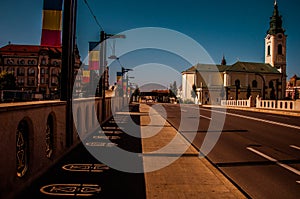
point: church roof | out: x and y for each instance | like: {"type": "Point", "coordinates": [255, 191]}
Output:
{"type": "Point", "coordinates": [207, 68]}
{"type": "Point", "coordinates": [251, 67]}
{"type": "Point", "coordinates": [247, 67]}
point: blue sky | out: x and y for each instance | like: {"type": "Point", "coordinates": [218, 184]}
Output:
{"type": "Point", "coordinates": [235, 28]}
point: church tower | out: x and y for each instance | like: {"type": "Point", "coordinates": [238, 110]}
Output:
{"type": "Point", "coordinates": [275, 45]}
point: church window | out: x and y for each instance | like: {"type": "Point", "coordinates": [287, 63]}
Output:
{"type": "Point", "coordinates": [279, 49]}
{"type": "Point", "coordinates": [269, 50]}
{"type": "Point", "coordinates": [254, 84]}
{"type": "Point", "coordinates": [271, 84]}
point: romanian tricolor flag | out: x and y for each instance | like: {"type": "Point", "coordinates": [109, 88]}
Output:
{"type": "Point", "coordinates": [119, 78]}
{"type": "Point", "coordinates": [52, 23]}
{"type": "Point", "coordinates": [86, 76]}
{"type": "Point", "coordinates": [94, 55]}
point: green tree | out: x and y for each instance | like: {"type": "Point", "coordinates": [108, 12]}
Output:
{"type": "Point", "coordinates": [193, 92]}
{"type": "Point", "coordinates": [7, 81]}
{"type": "Point", "coordinates": [136, 93]}
{"type": "Point", "coordinates": [248, 92]}
{"type": "Point", "coordinates": [173, 89]}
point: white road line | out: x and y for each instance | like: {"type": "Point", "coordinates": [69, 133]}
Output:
{"type": "Point", "coordinates": [256, 119]}
{"type": "Point", "coordinates": [205, 117]}
{"type": "Point", "coordinates": [274, 160]}
{"type": "Point", "coordinates": [295, 147]}
{"type": "Point", "coordinates": [183, 110]}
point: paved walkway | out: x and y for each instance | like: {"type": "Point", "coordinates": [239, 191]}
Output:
{"type": "Point", "coordinates": [172, 172]}
{"type": "Point", "coordinates": [181, 176]}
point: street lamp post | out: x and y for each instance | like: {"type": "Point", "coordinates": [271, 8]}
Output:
{"type": "Point", "coordinates": [103, 69]}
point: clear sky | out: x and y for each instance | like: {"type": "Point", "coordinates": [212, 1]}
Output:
{"type": "Point", "coordinates": [235, 28]}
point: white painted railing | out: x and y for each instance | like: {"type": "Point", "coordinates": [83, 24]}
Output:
{"type": "Point", "coordinates": [237, 103]}
{"type": "Point", "coordinates": [278, 104]}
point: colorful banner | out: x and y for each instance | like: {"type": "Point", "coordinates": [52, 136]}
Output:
{"type": "Point", "coordinates": [52, 23]}
{"type": "Point", "coordinates": [94, 56]}
{"type": "Point", "coordinates": [86, 76]}
{"type": "Point", "coordinates": [119, 78]}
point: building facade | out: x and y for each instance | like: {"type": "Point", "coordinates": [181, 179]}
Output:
{"type": "Point", "coordinates": [36, 68]}
{"type": "Point", "coordinates": [293, 88]}
{"type": "Point", "coordinates": [242, 79]}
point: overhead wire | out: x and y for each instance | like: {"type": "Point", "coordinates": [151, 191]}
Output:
{"type": "Point", "coordinates": [101, 27]}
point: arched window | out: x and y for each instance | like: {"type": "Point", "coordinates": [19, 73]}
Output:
{"type": "Point", "coordinates": [237, 83]}
{"type": "Point", "coordinates": [22, 148]}
{"type": "Point", "coordinates": [254, 84]}
{"type": "Point", "coordinates": [271, 84]}
{"type": "Point", "coordinates": [279, 49]}
{"type": "Point", "coordinates": [49, 136]}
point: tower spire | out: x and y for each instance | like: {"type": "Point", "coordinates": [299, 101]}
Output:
{"type": "Point", "coordinates": [275, 21]}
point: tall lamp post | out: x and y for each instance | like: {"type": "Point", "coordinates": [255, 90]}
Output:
{"type": "Point", "coordinates": [103, 70]}
{"type": "Point", "coordinates": [67, 71]}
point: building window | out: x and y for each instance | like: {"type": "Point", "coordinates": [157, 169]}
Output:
{"type": "Point", "coordinates": [43, 61]}
{"type": "Point", "coordinates": [42, 80]}
{"type": "Point", "coordinates": [21, 62]}
{"type": "Point", "coordinates": [10, 70]}
{"type": "Point", "coordinates": [42, 71]}
{"type": "Point", "coordinates": [269, 50]}
{"type": "Point", "coordinates": [279, 49]}
{"type": "Point", "coordinates": [54, 81]}
{"type": "Point", "coordinates": [271, 84]}
{"type": "Point", "coordinates": [31, 71]}
{"type": "Point", "coordinates": [237, 83]}
{"type": "Point", "coordinates": [22, 148]}
{"type": "Point", "coordinates": [54, 72]}
{"type": "Point", "coordinates": [21, 71]}
{"type": "Point", "coordinates": [254, 84]}
{"type": "Point", "coordinates": [55, 63]}
{"type": "Point", "coordinates": [30, 82]}
{"type": "Point", "coordinates": [20, 81]}
{"type": "Point", "coordinates": [9, 61]}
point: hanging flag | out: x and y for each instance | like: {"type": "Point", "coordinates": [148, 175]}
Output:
{"type": "Point", "coordinates": [86, 76]}
{"type": "Point", "coordinates": [119, 78]}
{"type": "Point", "coordinates": [94, 56]}
{"type": "Point", "coordinates": [52, 23]}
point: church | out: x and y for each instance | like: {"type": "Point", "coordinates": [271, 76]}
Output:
{"type": "Point", "coordinates": [209, 84]}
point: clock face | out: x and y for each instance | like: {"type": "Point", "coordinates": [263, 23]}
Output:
{"type": "Point", "coordinates": [280, 36]}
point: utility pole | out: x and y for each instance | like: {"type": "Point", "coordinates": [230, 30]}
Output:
{"type": "Point", "coordinates": [67, 69]}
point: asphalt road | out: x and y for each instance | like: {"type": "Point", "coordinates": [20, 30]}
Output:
{"type": "Point", "coordinates": [259, 152]}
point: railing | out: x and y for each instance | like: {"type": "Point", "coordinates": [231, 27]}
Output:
{"type": "Point", "coordinates": [277, 104]}
{"type": "Point", "coordinates": [39, 129]}
{"type": "Point", "coordinates": [236, 103]}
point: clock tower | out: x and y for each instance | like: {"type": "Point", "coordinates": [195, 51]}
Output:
{"type": "Point", "coordinates": [275, 45]}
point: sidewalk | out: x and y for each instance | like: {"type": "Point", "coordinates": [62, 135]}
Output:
{"type": "Point", "coordinates": [188, 176]}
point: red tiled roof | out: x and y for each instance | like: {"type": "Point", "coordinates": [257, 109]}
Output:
{"type": "Point", "coordinates": [20, 49]}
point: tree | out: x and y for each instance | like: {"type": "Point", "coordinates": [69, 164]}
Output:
{"type": "Point", "coordinates": [136, 93]}
{"type": "Point", "coordinates": [193, 92]}
{"type": "Point", "coordinates": [248, 92]}
{"type": "Point", "coordinates": [7, 81]}
{"type": "Point", "coordinates": [173, 90]}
